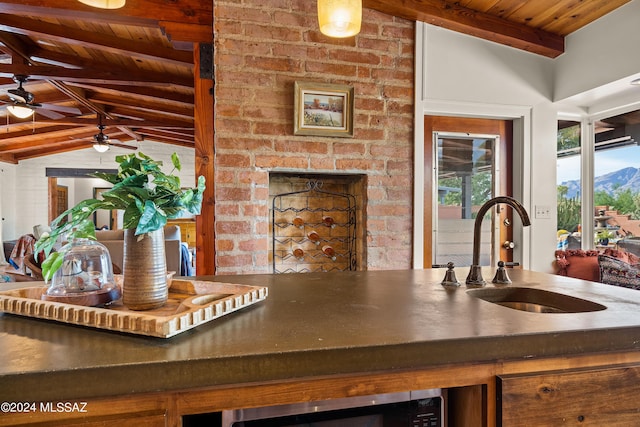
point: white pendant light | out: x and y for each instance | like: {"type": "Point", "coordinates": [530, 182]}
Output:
{"type": "Point", "coordinates": [340, 18]}
{"type": "Point", "coordinates": [101, 147]}
{"type": "Point", "coordinates": [104, 4]}
{"type": "Point", "coordinates": [19, 111]}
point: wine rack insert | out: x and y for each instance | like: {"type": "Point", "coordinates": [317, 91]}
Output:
{"type": "Point", "coordinates": [313, 230]}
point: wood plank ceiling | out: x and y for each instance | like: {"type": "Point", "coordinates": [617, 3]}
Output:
{"type": "Point", "coordinates": [132, 67]}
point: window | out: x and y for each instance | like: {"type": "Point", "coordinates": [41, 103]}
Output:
{"type": "Point", "coordinates": [569, 185]}
{"type": "Point", "coordinates": [616, 184]}
{"type": "Point", "coordinates": [614, 190]}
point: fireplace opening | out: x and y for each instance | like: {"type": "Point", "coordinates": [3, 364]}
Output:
{"type": "Point", "coordinates": [317, 223]}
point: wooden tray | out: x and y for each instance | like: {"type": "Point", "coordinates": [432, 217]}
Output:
{"type": "Point", "coordinates": [191, 303]}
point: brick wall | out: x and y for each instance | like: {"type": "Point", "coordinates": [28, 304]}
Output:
{"type": "Point", "coordinates": [262, 48]}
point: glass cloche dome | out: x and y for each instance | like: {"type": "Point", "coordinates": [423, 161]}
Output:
{"type": "Point", "coordinates": [85, 277]}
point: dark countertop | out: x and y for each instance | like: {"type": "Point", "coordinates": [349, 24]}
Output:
{"type": "Point", "coordinates": [310, 325]}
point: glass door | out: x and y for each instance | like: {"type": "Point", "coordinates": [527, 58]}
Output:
{"type": "Point", "coordinates": [465, 177]}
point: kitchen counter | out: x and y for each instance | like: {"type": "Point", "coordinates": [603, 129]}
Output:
{"type": "Point", "coordinates": [317, 324]}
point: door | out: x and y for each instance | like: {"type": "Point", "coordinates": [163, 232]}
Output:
{"type": "Point", "coordinates": [471, 163]}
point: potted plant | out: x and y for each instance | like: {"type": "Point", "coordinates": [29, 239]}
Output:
{"type": "Point", "coordinates": [148, 197]}
{"type": "Point", "coordinates": [603, 236]}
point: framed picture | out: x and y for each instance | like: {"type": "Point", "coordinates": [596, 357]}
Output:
{"type": "Point", "coordinates": [323, 109]}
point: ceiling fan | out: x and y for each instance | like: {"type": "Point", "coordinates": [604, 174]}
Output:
{"type": "Point", "coordinates": [22, 103]}
{"type": "Point", "coordinates": [101, 141]}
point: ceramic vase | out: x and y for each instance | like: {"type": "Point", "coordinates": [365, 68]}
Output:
{"type": "Point", "coordinates": [144, 285]}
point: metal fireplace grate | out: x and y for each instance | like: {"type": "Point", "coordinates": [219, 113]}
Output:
{"type": "Point", "coordinates": [313, 230]}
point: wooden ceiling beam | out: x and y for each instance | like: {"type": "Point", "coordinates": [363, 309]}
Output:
{"type": "Point", "coordinates": [45, 57]}
{"type": "Point", "coordinates": [39, 132]}
{"type": "Point", "coordinates": [8, 158]}
{"type": "Point", "coordinates": [125, 77]}
{"type": "Point", "coordinates": [183, 35]}
{"type": "Point", "coordinates": [140, 12]}
{"type": "Point", "coordinates": [156, 133]}
{"type": "Point", "coordinates": [47, 151]}
{"type": "Point", "coordinates": [15, 46]}
{"type": "Point", "coordinates": [40, 29]}
{"type": "Point", "coordinates": [454, 17]}
{"type": "Point", "coordinates": [153, 116]}
{"type": "Point", "coordinates": [118, 121]}
{"type": "Point", "coordinates": [181, 133]}
{"type": "Point", "coordinates": [79, 96]}
{"type": "Point", "coordinates": [165, 94]}
{"type": "Point", "coordinates": [138, 104]}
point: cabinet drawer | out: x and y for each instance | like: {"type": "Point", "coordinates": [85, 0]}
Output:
{"type": "Point", "coordinates": [605, 396]}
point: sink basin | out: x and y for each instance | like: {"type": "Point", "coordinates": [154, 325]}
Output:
{"type": "Point", "coordinates": [535, 300]}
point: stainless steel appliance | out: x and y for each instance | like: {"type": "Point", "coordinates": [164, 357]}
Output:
{"type": "Point", "coordinates": [421, 408]}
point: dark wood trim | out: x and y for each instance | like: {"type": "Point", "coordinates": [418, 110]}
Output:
{"type": "Point", "coordinates": [52, 188]}
{"type": "Point", "coordinates": [504, 128]}
{"type": "Point", "coordinates": [468, 21]}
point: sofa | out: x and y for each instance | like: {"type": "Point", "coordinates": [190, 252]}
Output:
{"type": "Point", "coordinates": [611, 266]}
{"type": "Point", "coordinates": [114, 241]}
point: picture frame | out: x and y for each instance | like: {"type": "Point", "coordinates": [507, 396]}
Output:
{"type": "Point", "coordinates": [323, 109]}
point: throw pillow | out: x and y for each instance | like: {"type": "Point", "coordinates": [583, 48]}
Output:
{"type": "Point", "coordinates": [625, 256]}
{"type": "Point", "coordinates": [617, 272]}
{"type": "Point", "coordinates": [579, 264]}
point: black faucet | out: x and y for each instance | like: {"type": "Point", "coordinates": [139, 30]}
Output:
{"type": "Point", "coordinates": [474, 279]}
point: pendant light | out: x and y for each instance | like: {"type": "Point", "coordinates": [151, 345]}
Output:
{"type": "Point", "coordinates": [339, 18]}
{"type": "Point", "coordinates": [19, 111]}
{"type": "Point", "coordinates": [104, 4]}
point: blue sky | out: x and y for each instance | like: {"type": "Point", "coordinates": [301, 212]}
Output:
{"type": "Point", "coordinates": [605, 161]}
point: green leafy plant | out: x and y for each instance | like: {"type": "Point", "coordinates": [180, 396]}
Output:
{"type": "Point", "coordinates": [147, 195]}
{"type": "Point", "coordinates": [605, 234]}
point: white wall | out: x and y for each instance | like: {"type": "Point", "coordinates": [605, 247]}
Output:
{"type": "Point", "coordinates": [467, 69]}
{"type": "Point", "coordinates": [602, 52]}
{"type": "Point", "coordinates": [24, 186]}
{"type": "Point", "coordinates": [465, 76]}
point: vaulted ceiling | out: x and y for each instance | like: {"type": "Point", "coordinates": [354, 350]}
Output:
{"type": "Point", "coordinates": [132, 68]}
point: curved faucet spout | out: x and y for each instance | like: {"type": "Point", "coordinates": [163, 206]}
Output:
{"type": "Point", "coordinates": [475, 273]}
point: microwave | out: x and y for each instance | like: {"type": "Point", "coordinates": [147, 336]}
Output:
{"type": "Point", "coordinates": [421, 408]}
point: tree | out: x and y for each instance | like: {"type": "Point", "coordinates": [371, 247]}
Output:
{"type": "Point", "coordinates": [569, 137]}
{"type": "Point", "coordinates": [569, 210]}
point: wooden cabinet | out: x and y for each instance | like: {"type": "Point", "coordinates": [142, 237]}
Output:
{"type": "Point", "coordinates": [606, 396]}
{"type": "Point", "coordinates": [584, 390]}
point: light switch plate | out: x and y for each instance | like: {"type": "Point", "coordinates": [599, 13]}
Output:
{"type": "Point", "coordinates": [543, 212]}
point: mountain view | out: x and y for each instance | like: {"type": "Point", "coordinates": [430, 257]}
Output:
{"type": "Point", "coordinates": [624, 178]}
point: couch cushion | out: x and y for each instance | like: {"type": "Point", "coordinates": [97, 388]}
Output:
{"type": "Point", "coordinates": [615, 271]}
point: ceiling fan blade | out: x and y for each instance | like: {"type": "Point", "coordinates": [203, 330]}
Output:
{"type": "Point", "coordinates": [49, 114]}
{"type": "Point", "coordinates": [128, 147]}
{"type": "Point", "coordinates": [61, 108]}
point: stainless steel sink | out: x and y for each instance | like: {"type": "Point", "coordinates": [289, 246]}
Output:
{"type": "Point", "coordinates": [535, 300]}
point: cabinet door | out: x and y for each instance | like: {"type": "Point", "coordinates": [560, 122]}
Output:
{"type": "Point", "coordinates": [605, 396]}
